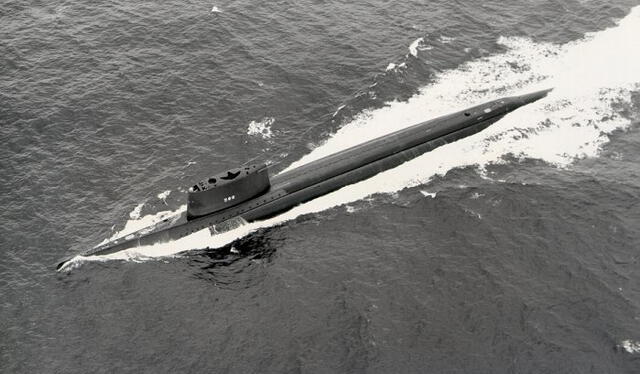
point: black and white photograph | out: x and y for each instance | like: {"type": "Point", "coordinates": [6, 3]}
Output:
{"type": "Point", "coordinates": [320, 186]}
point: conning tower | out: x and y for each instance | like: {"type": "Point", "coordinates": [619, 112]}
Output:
{"type": "Point", "coordinates": [227, 189]}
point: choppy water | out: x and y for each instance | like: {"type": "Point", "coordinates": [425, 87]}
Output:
{"type": "Point", "coordinates": [515, 250]}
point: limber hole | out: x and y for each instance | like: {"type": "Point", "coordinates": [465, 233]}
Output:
{"type": "Point", "coordinates": [467, 114]}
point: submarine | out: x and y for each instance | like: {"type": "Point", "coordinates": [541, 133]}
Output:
{"type": "Point", "coordinates": [250, 193]}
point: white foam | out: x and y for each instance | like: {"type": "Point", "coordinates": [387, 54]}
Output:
{"type": "Point", "coordinates": [338, 110]}
{"type": "Point", "coordinates": [261, 128]}
{"type": "Point", "coordinates": [590, 77]}
{"type": "Point", "coordinates": [215, 9]}
{"type": "Point", "coordinates": [163, 196]}
{"type": "Point", "coordinates": [135, 213]}
{"type": "Point", "coordinates": [630, 346]}
{"type": "Point", "coordinates": [413, 48]}
{"type": "Point", "coordinates": [395, 67]}
{"type": "Point", "coordinates": [429, 194]}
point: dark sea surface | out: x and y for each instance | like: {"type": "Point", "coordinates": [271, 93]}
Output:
{"type": "Point", "coordinates": [512, 251]}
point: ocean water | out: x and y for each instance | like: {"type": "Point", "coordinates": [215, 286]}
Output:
{"type": "Point", "coordinates": [511, 251]}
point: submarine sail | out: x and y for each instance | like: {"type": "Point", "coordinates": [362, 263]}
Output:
{"type": "Point", "coordinates": [227, 189]}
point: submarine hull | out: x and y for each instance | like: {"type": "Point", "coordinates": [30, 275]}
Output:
{"type": "Point", "coordinates": [330, 173]}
